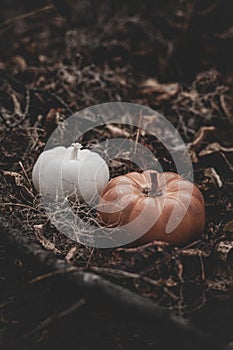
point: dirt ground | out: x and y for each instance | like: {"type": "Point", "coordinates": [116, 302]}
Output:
{"type": "Point", "coordinates": [59, 57]}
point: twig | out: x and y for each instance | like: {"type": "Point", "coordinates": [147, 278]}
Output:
{"type": "Point", "coordinates": [52, 274]}
{"type": "Point", "coordinates": [18, 205]}
{"type": "Point", "coordinates": [55, 96]}
{"type": "Point", "coordinates": [46, 323]}
{"type": "Point", "coordinates": [69, 256]}
{"type": "Point", "coordinates": [14, 20]}
{"type": "Point", "coordinates": [203, 275]}
{"type": "Point", "coordinates": [127, 274]}
{"type": "Point", "coordinates": [89, 257]}
{"type": "Point", "coordinates": [25, 174]}
{"type": "Point", "coordinates": [201, 135]}
{"type": "Point", "coordinates": [9, 301]}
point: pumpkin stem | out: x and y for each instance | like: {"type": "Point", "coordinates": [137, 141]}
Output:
{"type": "Point", "coordinates": [153, 190]}
{"type": "Point", "coordinates": [76, 147]}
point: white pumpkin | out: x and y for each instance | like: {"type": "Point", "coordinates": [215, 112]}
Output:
{"type": "Point", "coordinates": [76, 173]}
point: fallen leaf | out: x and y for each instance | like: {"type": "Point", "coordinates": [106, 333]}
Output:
{"type": "Point", "coordinates": [214, 177]}
{"type": "Point", "coordinates": [54, 118]}
{"type": "Point", "coordinates": [228, 227]}
{"type": "Point", "coordinates": [164, 92]}
{"type": "Point", "coordinates": [18, 178]}
{"type": "Point", "coordinates": [39, 230]}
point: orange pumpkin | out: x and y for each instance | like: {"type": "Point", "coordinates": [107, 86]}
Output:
{"type": "Point", "coordinates": [173, 207]}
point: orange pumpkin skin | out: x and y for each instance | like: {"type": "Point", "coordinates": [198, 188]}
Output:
{"type": "Point", "coordinates": [154, 195]}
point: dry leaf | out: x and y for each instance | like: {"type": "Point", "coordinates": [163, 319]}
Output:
{"type": "Point", "coordinates": [163, 91]}
{"type": "Point", "coordinates": [228, 226]}
{"type": "Point", "coordinates": [214, 177]}
{"type": "Point", "coordinates": [54, 118]}
{"type": "Point", "coordinates": [38, 230]}
{"type": "Point", "coordinates": [17, 178]}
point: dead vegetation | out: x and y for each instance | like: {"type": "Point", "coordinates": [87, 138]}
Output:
{"type": "Point", "coordinates": [53, 69]}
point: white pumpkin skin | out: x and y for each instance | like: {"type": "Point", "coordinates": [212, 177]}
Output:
{"type": "Point", "coordinates": [78, 174]}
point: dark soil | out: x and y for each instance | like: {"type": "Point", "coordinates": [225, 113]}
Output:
{"type": "Point", "coordinates": [175, 57]}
